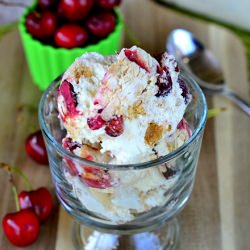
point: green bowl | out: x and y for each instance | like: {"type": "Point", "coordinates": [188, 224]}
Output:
{"type": "Point", "coordinates": [47, 62]}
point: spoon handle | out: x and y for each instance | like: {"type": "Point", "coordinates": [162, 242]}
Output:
{"type": "Point", "coordinates": [245, 106]}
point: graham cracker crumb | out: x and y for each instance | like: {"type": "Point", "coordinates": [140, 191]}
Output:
{"type": "Point", "coordinates": [84, 151]}
{"type": "Point", "coordinates": [92, 93]}
{"type": "Point", "coordinates": [169, 128]}
{"type": "Point", "coordinates": [153, 133]}
{"type": "Point", "coordinates": [136, 109]}
{"type": "Point", "coordinates": [71, 127]}
{"type": "Point", "coordinates": [170, 146]}
{"type": "Point", "coordinates": [81, 70]}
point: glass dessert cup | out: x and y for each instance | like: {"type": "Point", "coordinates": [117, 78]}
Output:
{"type": "Point", "coordinates": [99, 223]}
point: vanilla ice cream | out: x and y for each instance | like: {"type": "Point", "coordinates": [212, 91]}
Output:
{"type": "Point", "coordinates": [123, 109]}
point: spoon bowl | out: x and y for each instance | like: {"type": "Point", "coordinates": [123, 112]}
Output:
{"type": "Point", "coordinates": [202, 65]}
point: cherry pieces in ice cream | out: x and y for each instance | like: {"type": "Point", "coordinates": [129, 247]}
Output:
{"type": "Point", "coordinates": [133, 56]}
{"type": "Point", "coordinates": [71, 146]}
{"type": "Point", "coordinates": [115, 127]}
{"type": "Point", "coordinates": [66, 91]}
{"type": "Point", "coordinates": [185, 91]}
{"type": "Point", "coordinates": [96, 177]}
{"type": "Point", "coordinates": [95, 122]}
{"type": "Point", "coordinates": [164, 82]}
{"type": "Point", "coordinates": [183, 125]}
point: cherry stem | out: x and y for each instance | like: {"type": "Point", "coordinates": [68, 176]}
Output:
{"type": "Point", "coordinates": [13, 169]}
{"type": "Point", "coordinates": [14, 190]}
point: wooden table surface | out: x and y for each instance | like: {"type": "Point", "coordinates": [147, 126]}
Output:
{"type": "Point", "coordinates": [217, 215]}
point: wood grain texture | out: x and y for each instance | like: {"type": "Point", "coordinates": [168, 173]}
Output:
{"type": "Point", "coordinates": [217, 215]}
{"type": "Point", "coordinates": [18, 112]}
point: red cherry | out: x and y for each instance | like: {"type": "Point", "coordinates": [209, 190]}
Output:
{"type": "Point", "coordinates": [35, 148]}
{"type": "Point", "coordinates": [75, 10]}
{"type": "Point", "coordinates": [133, 56]}
{"type": "Point", "coordinates": [101, 24]}
{"type": "Point", "coordinates": [185, 91]}
{"type": "Point", "coordinates": [21, 228]}
{"type": "Point", "coordinates": [41, 25]}
{"type": "Point", "coordinates": [114, 127]}
{"type": "Point", "coordinates": [59, 12]}
{"type": "Point", "coordinates": [33, 24]}
{"type": "Point", "coordinates": [48, 23]}
{"type": "Point", "coordinates": [183, 125]}
{"type": "Point", "coordinates": [96, 177]}
{"type": "Point", "coordinates": [46, 4]}
{"type": "Point", "coordinates": [70, 36]}
{"type": "Point", "coordinates": [39, 200]}
{"type": "Point", "coordinates": [95, 122]}
{"type": "Point", "coordinates": [66, 91]}
{"type": "Point", "coordinates": [108, 4]}
{"type": "Point", "coordinates": [71, 146]}
{"type": "Point", "coordinates": [164, 82]}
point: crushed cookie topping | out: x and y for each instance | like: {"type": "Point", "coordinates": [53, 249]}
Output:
{"type": "Point", "coordinates": [136, 110]}
{"type": "Point", "coordinates": [153, 133]}
{"type": "Point", "coordinates": [81, 70]}
{"type": "Point", "coordinates": [169, 128]}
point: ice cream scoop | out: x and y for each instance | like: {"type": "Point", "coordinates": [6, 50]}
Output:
{"type": "Point", "coordinates": [127, 106]}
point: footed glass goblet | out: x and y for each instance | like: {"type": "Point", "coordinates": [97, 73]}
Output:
{"type": "Point", "coordinates": [123, 206]}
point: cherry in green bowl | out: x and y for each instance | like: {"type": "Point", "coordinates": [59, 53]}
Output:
{"type": "Point", "coordinates": [47, 61]}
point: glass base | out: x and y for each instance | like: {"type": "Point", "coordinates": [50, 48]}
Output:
{"type": "Point", "coordinates": [164, 238]}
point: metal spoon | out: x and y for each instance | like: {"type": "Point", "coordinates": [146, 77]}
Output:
{"type": "Point", "coordinates": [201, 63]}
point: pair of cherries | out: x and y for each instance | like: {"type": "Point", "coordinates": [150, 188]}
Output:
{"type": "Point", "coordinates": [33, 207]}
{"type": "Point", "coordinates": [22, 227]}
